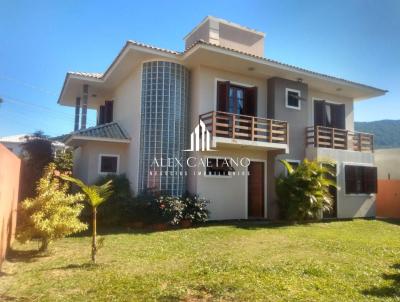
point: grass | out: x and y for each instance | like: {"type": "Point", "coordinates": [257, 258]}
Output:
{"type": "Point", "coordinates": [338, 261]}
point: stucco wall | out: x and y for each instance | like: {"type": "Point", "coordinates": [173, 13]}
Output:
{"type": "Point", "coordinates": [388, 163]}
{"type": "Point", "coordinates": [127, 110]}
{"type": "Point", "coordinates": [9, 188]}
{"type": "Point", "coordinates": [204, 90]}
{"type": "Point", "coordinates": [348, 205]}
{"type": "Point", "coordinates": [228, 195]}
{"type": "Point", "coordinates": [86, 159]}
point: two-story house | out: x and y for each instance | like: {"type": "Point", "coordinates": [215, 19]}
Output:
{"type": "Point", "coordinates": [255, 111]}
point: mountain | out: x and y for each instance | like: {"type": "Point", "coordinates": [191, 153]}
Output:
{"type": "Point", "coordinates": [386, 132]}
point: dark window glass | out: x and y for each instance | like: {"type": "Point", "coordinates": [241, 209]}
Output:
{"type": "Point", "coordinates": [293, 99]}
{"type": "Point", "coordinates": [219, 167]}
{"type": "Point", "coordinates": [109, 164]}
{"type": "Point", "coordinates": [360, 179]}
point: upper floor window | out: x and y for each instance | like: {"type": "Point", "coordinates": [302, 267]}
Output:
{"type": "Point", "coordinates": [360, 179]}
{"type": "Point", "coordinates": [106, 113]}
{"type": "Point", "coordinates": [108, 164]}
{"type": "Point", "coordinates": [329, 114]}
{"type": "Point", "coordinates": [236, 99]}
{"type": "Point", "coordinates": [293, 98]}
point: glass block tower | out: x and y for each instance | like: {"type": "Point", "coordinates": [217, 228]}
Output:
{"type": "Point", "coordinates": [163, 133]}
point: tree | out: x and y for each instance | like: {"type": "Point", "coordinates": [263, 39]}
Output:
{"type": "Point", "coordinates": [96, 195]}
{"type": "Point", "coordinates": [303, 193]}
{"type": "Point", "coordinates": [52, 214]}
{"type": "Point", "coordinates": [37, 153]}
{"type": "Point", "coordinates": [64, 161]}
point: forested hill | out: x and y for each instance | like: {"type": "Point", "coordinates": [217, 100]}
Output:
{"type": "Point", "coordinates": [386, 132]}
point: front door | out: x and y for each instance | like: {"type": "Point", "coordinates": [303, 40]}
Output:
{"type": "Point", "coordinates": [255, 194]}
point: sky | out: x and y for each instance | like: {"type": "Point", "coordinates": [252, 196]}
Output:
{"type": "Point", "coordinates": [40, 41]}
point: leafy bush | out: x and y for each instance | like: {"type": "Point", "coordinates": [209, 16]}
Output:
{"type": "Point", "coordinates": [304, 192]}
{"type": "Point", "coordinates": [158, 208]}
{"type": "Point", "coordinates": [52, 214]}
{"type": "Point", "coordinates": [195, 208]}
{"type": "Point", "coordinates": [118, 208]}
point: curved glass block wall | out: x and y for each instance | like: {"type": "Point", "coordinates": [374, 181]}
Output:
{"type": "Point", "coordinates": [164, 105]}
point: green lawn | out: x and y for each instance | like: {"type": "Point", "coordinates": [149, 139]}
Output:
{"type": "Point", "coordinates": [338, 261]}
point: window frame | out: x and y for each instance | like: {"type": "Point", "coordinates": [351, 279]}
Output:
{"type": "Point", "coordinates": [99, 164]}
{"type": "Point", "coordinates": [344, 178]}
{"type": "Point", "coordinates": [287, 90]}
{"type": "Point", "coordinates": [213, 175]}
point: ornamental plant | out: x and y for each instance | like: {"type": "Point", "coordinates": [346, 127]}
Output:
{"type": "Point", "coordinates": [303, 193]}
{"type": "Point", "coordinates": [52, 214]}
{"type": "Point", "coordinates": [96, 195]}
{"type": "Point", "coordinates": [195, 208]}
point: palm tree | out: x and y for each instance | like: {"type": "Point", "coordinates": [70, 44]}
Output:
{"type": "Point", "coordinates": [303, 193]}
{"type": "Point", "coordinates": [96, 195]}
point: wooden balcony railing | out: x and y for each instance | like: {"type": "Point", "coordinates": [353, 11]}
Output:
{"type": "Point", "coordinates": [237, 126]}
{"type": "Point", "coordinates": [319, 136]}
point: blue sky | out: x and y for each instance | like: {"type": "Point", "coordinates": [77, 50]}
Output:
{"type": "Point", "coordinates": [41, 40]}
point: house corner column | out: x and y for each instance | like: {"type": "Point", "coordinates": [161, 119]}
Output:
{"type": "Point", "coordinates": [84, 105]}
{"type": "Point", "coordinates": [77, 113]}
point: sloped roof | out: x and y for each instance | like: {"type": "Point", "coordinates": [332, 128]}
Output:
{"type": "Point", "coordinates": [202, 42]}
{"type": "Point", "coordinates": [106, 132]}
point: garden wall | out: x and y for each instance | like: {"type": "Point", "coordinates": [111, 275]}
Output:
{"type": "Point", "coordinates": [388, 198]}
{"type": "Point", "coordinates": [9, 187]}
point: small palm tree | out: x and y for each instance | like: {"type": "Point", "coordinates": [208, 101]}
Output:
{"type": "Point", "coordinates": [303, 193]}
{"type": "Point", "coordinates": [96, 195]}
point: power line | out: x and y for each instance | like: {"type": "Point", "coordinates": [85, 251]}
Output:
{"type": "Point", "coordinates": [23, 83]}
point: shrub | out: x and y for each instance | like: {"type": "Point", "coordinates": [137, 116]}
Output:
{"type": "Point", "coordinates": [118, 208]}
{"type": "Point", "coordinates": [153, 207]}
{"type": "Point", "coordinates": [304, 192]}
{"type": "Point", "coordinates": [52, 214]}
{"type": "Point", "coordinates": [195, 208]}
{"type": "Point", "coordinates": [63, 160]}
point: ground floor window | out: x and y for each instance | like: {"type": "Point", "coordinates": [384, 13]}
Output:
{"type": "Point", "coordinates": [360, 179]}
{"type": "Point", "coordinates": [219, 167]}
{"type": "Point", "coordinates": [108, 164]}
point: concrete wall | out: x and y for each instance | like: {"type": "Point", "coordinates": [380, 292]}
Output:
{"type": "Point", "coordinates": [348, 205]}
{"type": "Point", "coordinates": [202, 33]}
{"type": "Point", "coordinates": [9, 187]}
{"type": "Point", "coordinates": [86, 159]}
{"type": "Point", "coordinates": [388, 163]}
{"type": "Point", "coordinates": [388, 198]}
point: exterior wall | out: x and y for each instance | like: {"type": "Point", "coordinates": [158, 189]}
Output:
{"type": "Point", "coordinates": [86, 159]}
{"type": "Point", "coordinates": [127, 106]}
{"type": "Point", "coordinates": [348, 205]}
{"type": "Point", "coordinates": [388, 198]}
{"type": "Point", "coordinates": [242, 40]}
{"type": "Point", "coordinates": [9, 187]}
{"type": "Point", "coordinates": [227, 35]}
{"type": "Point", "coordinates": [204, 91]}
{"type": "Point", "coordinates": [228, 195]}
{"type": "Point", "coordinates": [202, 33]}
{"type": "Point", "coordinates": [388, 162]}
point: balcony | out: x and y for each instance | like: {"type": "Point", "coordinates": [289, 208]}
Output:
{"type": "Point", "coordinates": [333, 138]}
{"type": "Point", "coordinates": [229, 128]}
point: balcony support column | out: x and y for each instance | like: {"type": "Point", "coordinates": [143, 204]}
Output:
{"type": "Point", "coordinates": [77, 113]}
{"type": "Point", "coordinates": [84, 105]}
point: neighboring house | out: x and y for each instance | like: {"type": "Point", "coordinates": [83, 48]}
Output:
{"type": "Point", "coordinates": [150, 99]}
{"type": "Point", "coordinates": [14, 143]}
{"type": "Point", "coordinates": [388, 197]}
